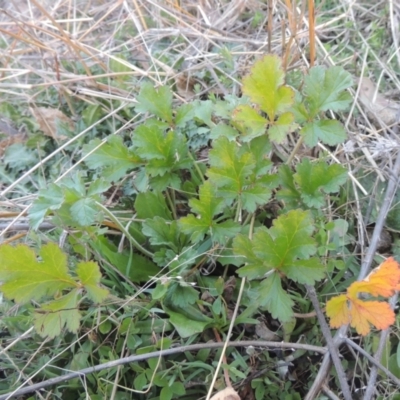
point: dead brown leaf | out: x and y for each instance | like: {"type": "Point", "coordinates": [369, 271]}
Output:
{"type": "Point", "coordinates": [8, 141]}
{"type": "Point", "coordinates": [264, 333]}
{"type": "Point", "coordinates": [378, 106]}
{"type": "Point", "coordinates": [48, 120]}
{"type": "Point", "coordinates": [9, 135]}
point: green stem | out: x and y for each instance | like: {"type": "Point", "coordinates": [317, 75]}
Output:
{"type": "Point", "coordinates": [125, 232]}
{"type": "Point", "coordinates": [238, 210]}
{"type": "Point", "coordinates": [247, 219]}
{"type": "Point", "coordinates": [253, 219]}
{"type": "Point", "coordinates": [171, 204]}
{"type": "Point", "coordinates": [295, 150]}
{"type": "Point", "coordinates": [196, 166]}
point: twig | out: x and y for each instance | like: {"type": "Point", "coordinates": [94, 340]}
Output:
{"type": "Point", "coordinates": [155, 354]}
{"type": "Point", "coordinates": [23, 336]}
{"type": "Point", "coordinates": [224, 359]}
{"type": "Point", "coordinates": [333, 350]}
{"type": "Point", "coordinates": [311, 28]}
{"type": "Point", "coordinates": [372, 360]}
{"type": "Point", "coordinates": [24, 226]}
{"type": "Point", "coordinates": [228, 336]}
{"type": "Point", "coordinates": [329, 393]}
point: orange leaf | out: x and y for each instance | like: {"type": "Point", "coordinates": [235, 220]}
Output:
{"type": "Point", "coordinates": [349, 308]}
{"type": "Point", "coordinates": [377, 313]}
{"type": "Point", "coordinates": [338, 311]}
{"type": "Point", "coordinates": [382, 281]}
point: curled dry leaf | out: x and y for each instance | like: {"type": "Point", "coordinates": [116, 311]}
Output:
{"type": "Point", "coordinates": [9, 135]}
{"type": "Point", "coordinates": [264, 333]}
{"type": "Point", "coordinates": [378, 106]}
{"type": "Point", "coordinates": [10, 140]}
{"type": "Point", "coordinates": [185, 86]}
{"type": "Point", "coordinates": [226, 394]}
{"type": "Point", "coordinates": [48, 120]}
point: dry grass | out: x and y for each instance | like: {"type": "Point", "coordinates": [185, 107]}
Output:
{"type": "Point", "coordinates": [58, 54]}
{"type": "Point", "coordinates": [81, 51]}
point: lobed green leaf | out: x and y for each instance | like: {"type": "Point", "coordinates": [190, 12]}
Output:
{"type": "Point", "coordinates": [181, 296]}
{"type": "Point", "coordinates": [85, 211]}
{"type": "Point", "coordinates": [207, 206]}
{"type": "Point", "coordinates": [279, 130]}
{"type": "Point", "coordinates": [51, 319]}
{"type": "Point", "coordinates": [165, 153]}
{"type": "Point", "coordinates": [25, 278]}
{"type": "Point", "coordinates": [151, 204]}
{"type": "Point", "coordinates": [234, 172]}
{"type": "Point", "coordinates": [249, 122]}
{"type": "Point", "coordinates": [113, 157]}
{"type": "Point", "coordinates": [313, 178]}
{"type": "Point", "coordinates": [50, 198]}
{"type": "Point", "coordinates": [89, 274]}
{"type": "Point", "coordinates": [328, 131]}
{"type": "Point", "coordinates": [223, 130]}
{"type": "Point", "coordinates": [157, 101]}
{"type": "Point", "coordinates": [163, 232]}
{"type": "Point", "coordinates": [324, 89]}
{"type": "Point", "coordinates": [264, 86]}
{"type": "Point", "coordinates": [305, 271]}
{"type": "Point", "coordinates": [274, 298]}
{"type": "Point", "coordinates": [287, 243]}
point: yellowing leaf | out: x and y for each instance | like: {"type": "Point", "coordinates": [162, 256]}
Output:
{"type": "Point", "coordinates": [25, 278]}
{"type": "Point", "coordinates": [382, 281]}
{"type": "Point", "coordinates": [265, 86]}
{"type": "Point", "coordinates": [338, 311]}
{"type": "Point", "coordinates": [349, 308]}
{"type": "Point", "coordinates": [60, 313]}
{"type": "Point", "coordinates": [364, 313]}
{"type": "Point", "coordinates": [89, 274]}
{"type": "Point", "coordinates": [249, 122]}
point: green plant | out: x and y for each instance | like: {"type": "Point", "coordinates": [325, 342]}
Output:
{"type": "Point", "coordinates": [235, 210]}
{"type": "Point", "coordinates": [27, 279]}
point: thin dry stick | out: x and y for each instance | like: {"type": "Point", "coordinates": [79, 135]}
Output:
{"type": "Point", "coordinates": [373, 360]}
{"type": "Point", "coordinates": [329, 392]}
{"type": "Point", "coordinates": [142, 18]}
{"type": "Point", "coordinates": [311, 30]}
{"type": "Point", "coordinates": [156, 354]}
{"type": "Point", "coordinates": [224, 359]}
{"type": "Point", "coordinates": [23, 336]}
{"type": "Point", "coordinates": [98, 22]}
{"type": "Point", "coordinates": [292, 27]}
{"type": "Point", "coordinates": [341, 333]}
{"type": "Point", "coordinates": [333, 350]}
{"type": "Point", "coordinates": [75, 46]}
{"type": "Point", "coordinates": [270, 23]}
{"type": "Point", "coordinates": [227, 339]}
